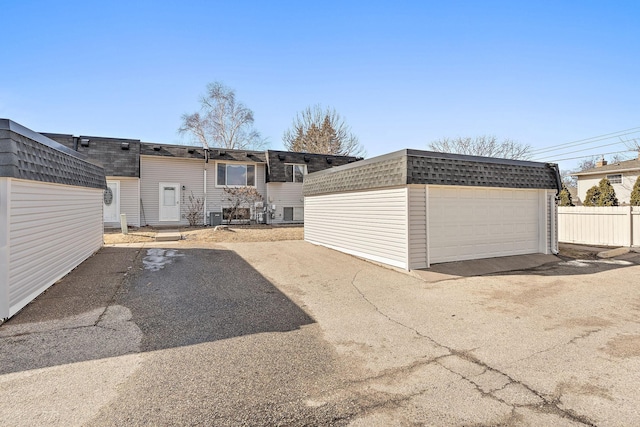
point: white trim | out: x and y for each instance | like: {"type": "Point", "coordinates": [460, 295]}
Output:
{"type": "Point", "coordinates": [5, 215]}
{"type": "Point", "coordinates": [359, 254]}
{"type": "Point", "coordinates": [139, 206]}
{"type": "Point", "coordinates": [615, 174]}
{"type": "Point", "coordinates": [293, 175]}
{"type": "Point", "coordinates": [407, 225]}
{"type": "Point", "coordinates": [426, 219]}
{"type": "Point", "coordinates": [604, 172]}
{"type": "Point", "coordinates": [234, 163]}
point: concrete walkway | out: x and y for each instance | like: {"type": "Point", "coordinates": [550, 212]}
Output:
{"type": "Point", "coordinates": [168, 236]}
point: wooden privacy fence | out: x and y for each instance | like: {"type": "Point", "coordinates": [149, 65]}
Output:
{"type": "Point", "coordinates": [606, 226]}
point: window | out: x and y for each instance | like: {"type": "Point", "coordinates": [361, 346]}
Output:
{"type": "Point", "coordinates": [294, 172]}
{"type": "Point", "coordinates": [293, 214]}
{"type": "Point", "coordinates": [233, 174]}
{"type": "Point", "coordinates": [615, 179]}
{"type": "Point", "coordinates": [241, 214]}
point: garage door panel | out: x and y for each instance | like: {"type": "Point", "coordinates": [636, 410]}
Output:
{"type": "Point", "coordinates": [470, 223]}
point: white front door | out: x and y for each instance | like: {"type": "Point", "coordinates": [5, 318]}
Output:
{"type": "Point", "coordinates": [111, 202]}
{"type": "Point", "coordinates": [169, 201]}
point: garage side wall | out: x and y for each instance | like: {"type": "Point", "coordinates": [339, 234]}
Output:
{"type": "Point", "coordinates": [52, 229]}
{"type": "Point", "coordinates": [418, 237]}
{"type": "Point", "coordinates": [369, 224]}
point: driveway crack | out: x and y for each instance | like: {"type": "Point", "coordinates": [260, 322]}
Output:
{"type": "Point", "coordinates": [547, 406]}
{"type": "Point", "coordinates": [118, 288]}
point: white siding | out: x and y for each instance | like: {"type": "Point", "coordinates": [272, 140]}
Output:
{"type": "Point", "coordinates": [216, 195]}
{"type": "Point", "coordinates": [471, 222]}
{"type": "Point", "coordinates": [284, 194]}
{"type": "Point", "coordinates": [129, 200]}
{"type": "Point", "coordinates": [370, 224]}
{"type": "Point", "coordinates": [52, 229]}
{"type": "Point", "coordinates": [156, 169]}
{"type": "Point", "coordinates": [418, 227]}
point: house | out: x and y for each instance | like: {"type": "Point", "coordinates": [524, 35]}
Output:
{"type": "Point", "coordinates": [50, 213]}
{"type": "Point", "coordinates": [621, 175]}
{"type": "Point", "coordinates": [152, 183]}
{"type": "Point", "coordinates": [411, 208]}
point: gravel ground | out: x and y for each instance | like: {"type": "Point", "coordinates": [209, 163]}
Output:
{"type": "Point", "coordinates": [255, 233]}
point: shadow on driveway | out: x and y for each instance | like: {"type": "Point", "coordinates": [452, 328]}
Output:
{"type": "Point", "coordinates": [128, 300]}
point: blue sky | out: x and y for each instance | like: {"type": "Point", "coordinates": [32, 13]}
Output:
{"type": "Point", "coordinates": [402, 73]}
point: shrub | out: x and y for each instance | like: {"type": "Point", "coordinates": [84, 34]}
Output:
{"type": "Point", "coordinates": [592, 197]}
{"type": "Point", "coordinates": [607, 194]}
{"type": "Point", "coordinates": [635, 193]}
{"type": "Point", "coordinates": [565, 197]}
{"type": "Point", "coordinates": [195, 210]}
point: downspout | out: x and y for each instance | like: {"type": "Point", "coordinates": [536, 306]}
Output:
{"type": "Point", "coordinates": [206, 160]}
{"type": "Point", "coordinates": [556, 170]}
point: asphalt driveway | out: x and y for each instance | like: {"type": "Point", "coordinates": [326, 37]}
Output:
{"type": "Point", "coordinates": [287, 333]}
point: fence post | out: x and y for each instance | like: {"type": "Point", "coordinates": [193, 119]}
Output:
{"type": "Point", "coordinates": [630, 224]}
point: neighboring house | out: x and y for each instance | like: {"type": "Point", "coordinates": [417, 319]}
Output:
{"type": "Point", "coordinates": [152, 183]}
{"type": "Point", "coordinates": [412, 208]}
{"type": "Point", "coordinates": [621, 175]}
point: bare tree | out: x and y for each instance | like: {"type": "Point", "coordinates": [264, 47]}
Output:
{"type": "Point", "coordinates": [324, 131]}
{"type": "Point", "coordinates": [238, 199]}
{"type": "Point", "coordinates": [485, 145]}
{"type": "Point", "coordinates": [222, 121]}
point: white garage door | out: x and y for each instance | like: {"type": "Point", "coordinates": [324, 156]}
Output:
{"type": "Point", "coordinates": [472, 223]}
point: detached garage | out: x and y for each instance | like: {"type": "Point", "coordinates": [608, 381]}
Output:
{"type": "Point", "coordinates": [411, 208]}
{"type": "Point", "coordinates": [50, 213]}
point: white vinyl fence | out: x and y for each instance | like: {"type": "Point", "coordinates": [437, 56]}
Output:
{"type": "Point", "coordinates": [605, 226]}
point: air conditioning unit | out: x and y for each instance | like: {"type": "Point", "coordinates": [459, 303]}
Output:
{"type": "Point", "coordinates": [215, 218]}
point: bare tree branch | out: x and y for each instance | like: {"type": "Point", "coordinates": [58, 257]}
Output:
{"type": "Point", "coordinates": [222, 121]}
{"type": "Point", "coordinates": [324, 131]}
{"type": "Point", "coordinates": [485, 145]}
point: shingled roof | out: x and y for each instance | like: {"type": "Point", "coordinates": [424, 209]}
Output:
{"type": "Point", "coordinates": [624, 166]}
{"type": "Point", "coordinates": [118, 156]}
{"type": "Point", "coordinates": [426, 167]}
{"type": "Point", "coordinates": [25, 154]}
{"type": "Point", "coordinates": [276, 161]}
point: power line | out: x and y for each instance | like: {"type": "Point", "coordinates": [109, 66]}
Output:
{"type": "Point", "coordinates": [591, 155]}
{"type": "Point", "coordinates": [584, 141]}
{"type": "Point", "coordinates": [578, 151]}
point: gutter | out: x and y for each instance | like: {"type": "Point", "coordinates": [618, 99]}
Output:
{"type": "Point", "coordinates": [556, 171]}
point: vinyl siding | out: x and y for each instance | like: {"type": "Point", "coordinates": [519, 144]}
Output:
{"type": "Point", "coordinates": [129, 200]}
{"type": "Point", "coordinates": [418, 227]}
{"type": "Point", "coordinates": [370, 224]}
{"type": "Point", "coordinates": [216, 195]}
{"type": "Point", "coordinates": [52, 229]}
{"type": "Point", "coordinates": [154, 170]}
{"type": "Point", "coordinates": [284, 194]}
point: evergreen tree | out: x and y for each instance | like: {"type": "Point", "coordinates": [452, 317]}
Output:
{"type": "Point", "coordinates": [607, 194]}
{"type": "Point", "coordinates": [635, 193]}
{"type": "Point", "coordinates": [592, 197]}
{"type": "Point", "coordinates": [565, 197]}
